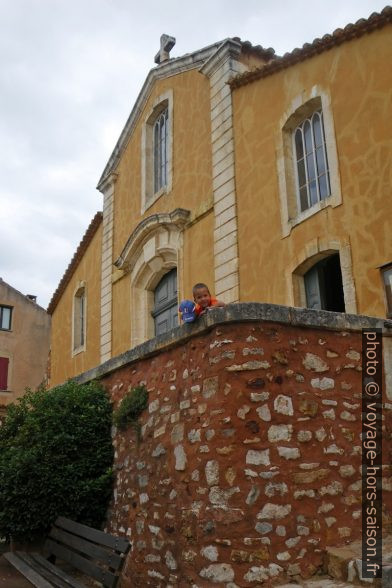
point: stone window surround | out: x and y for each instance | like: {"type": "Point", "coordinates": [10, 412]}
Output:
{"type": "Point", "coordinates": [153, 249]}
{"type": "Point", "coordinates": [312, 253]}
{"type": "Point", "coordinates": [148, 197]}
{"type": "Point", "coordinates": [301, 107]}
{"type": "Point", "coordinates": [80, 288]}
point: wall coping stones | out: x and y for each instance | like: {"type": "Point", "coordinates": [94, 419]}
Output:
{"type": "Point", "coordinates": [239, 313]}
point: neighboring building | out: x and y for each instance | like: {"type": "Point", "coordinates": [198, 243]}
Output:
{"type": "Point", "coordinates": [24, 343]}
{"type": "Point", "coordinates": [266, 177]}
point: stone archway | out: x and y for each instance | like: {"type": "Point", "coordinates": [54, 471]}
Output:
{"type": "Point", "coordinates": [153, 249]}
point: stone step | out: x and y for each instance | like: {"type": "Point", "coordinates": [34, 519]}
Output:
{"type": "Point", "coordinates": [344, 564]}
{"type": "Point", "coordinates": [319, 582]}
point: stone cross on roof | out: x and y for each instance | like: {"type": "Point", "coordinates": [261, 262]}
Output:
{"type": "Point", "coordinates": [167, 44]}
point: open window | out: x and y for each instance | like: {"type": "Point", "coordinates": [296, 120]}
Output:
{"type": "Point", "coordinates": [322, 277]}
{"type": "Point", "coordinates": [386, 272]}
{"type": "Point", "coordinates": [324, 286]}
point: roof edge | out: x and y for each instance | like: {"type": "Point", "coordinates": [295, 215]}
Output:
{"type": "Point", "coordinates": [24, 296]}
{"type": "Point", "coordinates": [80, 251]}
{"type": "Point", "coordinates": [351, 31]}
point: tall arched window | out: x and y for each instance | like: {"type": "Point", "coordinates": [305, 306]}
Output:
{"type": "Point", "coordinates": [79, 320]}
{"type": "Point", "coordinates": [157, 150]}
{"type": "Point", "coordinates": [311, 161]}
{"type": "Point", "coordinates": [307, 160]}
{"type": "Point", "coordinates": [160, 150]}
{"type": "Point", "coordinates": [165, 311]}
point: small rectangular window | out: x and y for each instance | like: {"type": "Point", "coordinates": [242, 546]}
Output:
{"type": "Point", "coordinates": [387, 280]}
{"type": "Point", "coordinates": [5, 318]}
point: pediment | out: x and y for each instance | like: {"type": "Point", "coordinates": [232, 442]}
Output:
{"type": "Point", "coordinates": [167, 69]}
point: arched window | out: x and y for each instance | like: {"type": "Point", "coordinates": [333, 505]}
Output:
{"type": "Point", "coordinates": [157, 150]}
{"type": "Point", "coordinates": [160, 150]}
{"type": "Point", "coordinates": [312, 162]}
{"type": "Point", "coordinates": [324, 286]}
{"type": "Point", "coordinates": [165, 312]}
{"type": "Point", "coordinates": [307, 160]}
{"type": "Point", "coordinates": [79, 320]}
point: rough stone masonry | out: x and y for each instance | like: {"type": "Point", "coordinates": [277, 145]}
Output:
{"type": "Point", "coordinates": [249, 462]}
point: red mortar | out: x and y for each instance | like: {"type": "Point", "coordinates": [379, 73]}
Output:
{"type": "Point", "coordinates": [193, 495]}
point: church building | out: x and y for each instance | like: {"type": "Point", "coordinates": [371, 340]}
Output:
{"type": "Point", "coordinates": [266, 177]}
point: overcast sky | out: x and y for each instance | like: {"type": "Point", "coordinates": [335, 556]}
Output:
{"type": "Point", "coordinates": [70, 72]}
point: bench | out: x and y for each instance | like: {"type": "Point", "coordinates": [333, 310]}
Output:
{"type": "Point", "coordinates": [97, 554]}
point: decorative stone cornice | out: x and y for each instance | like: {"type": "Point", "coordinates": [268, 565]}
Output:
{"type": "Point", "coordinates": [177, 218]}
{"type": "Point", "coordinates": [229, 49]}
{"type": "Point", "coordinates": [108, 183]}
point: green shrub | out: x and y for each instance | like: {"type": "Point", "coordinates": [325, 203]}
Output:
{"type": "Point", "coordinates": [56, 458]}
{"type": "Point", "coordinates": [131, 407]}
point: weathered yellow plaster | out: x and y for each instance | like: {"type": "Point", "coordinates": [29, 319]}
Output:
{"type": "Point", "coordinates": [62, 362]}
{"type": "Point", "coordinates": [356, 77]}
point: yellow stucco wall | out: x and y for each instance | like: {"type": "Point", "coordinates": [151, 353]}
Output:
{"type": "Point", "coordinates": [191, 190]}
{"type": "Point", "coordinates": [63, 364]}
{"type": "Point", "coordinates": [198, 255]}
{"type": "Point", "coordinates": [359, 82]}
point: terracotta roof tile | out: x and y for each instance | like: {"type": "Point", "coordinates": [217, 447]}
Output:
{"type": "Point", "coordinates": [84, 243]}
{"type": "Point", "coordinates": [308, 50]}
{"type": "Point", "coordinates": [257, 49]}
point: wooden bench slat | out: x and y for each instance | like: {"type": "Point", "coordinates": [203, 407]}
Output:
{"type": "Point", "coordinates": [81, 563]}
{"type": "Point", "coordinates": [97, 554]}
{"type": "Point", "coordinates": [53, 579]}
{"type": "Point", "coordinates": [44, 563]}
{"type": "Point", "coordinates": [112, 560]}
{"type": "Point", "coordinates": [29, 573]}
{"type": "Point", "coordinates": [118, 543]}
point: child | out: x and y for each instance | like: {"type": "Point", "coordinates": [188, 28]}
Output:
{"type": "Point", "coordinates": [203, 299]}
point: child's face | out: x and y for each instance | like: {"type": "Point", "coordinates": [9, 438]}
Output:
{"type": "Point", "coordinates": [202, 297]}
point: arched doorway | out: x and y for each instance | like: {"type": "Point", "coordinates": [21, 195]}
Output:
{"type": "Point", "coordinates": [165, 312]}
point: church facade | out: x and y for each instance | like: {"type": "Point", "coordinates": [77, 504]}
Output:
{"type": "Point", "coordinates": [268, 178]}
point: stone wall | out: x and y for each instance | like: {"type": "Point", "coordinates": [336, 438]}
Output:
{"type": "Point", "coordinates": [249, 460]}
